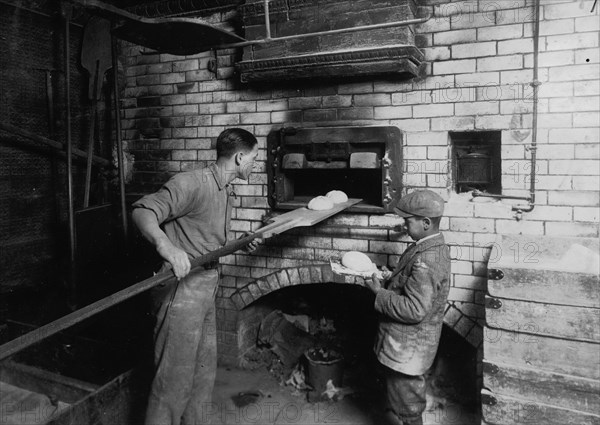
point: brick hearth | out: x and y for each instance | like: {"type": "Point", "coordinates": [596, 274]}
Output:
{"type": "Point", "coordinates": [240, 319]}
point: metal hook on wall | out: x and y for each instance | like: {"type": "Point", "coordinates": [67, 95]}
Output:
{"type": "Point", "coordinates": [213, 63]}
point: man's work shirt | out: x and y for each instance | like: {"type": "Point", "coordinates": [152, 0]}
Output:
{"type": "Point", "coordinates": [194, 210]}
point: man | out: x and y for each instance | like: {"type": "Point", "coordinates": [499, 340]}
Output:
{"type": "Point", "coordinates": [411, 307]}
{"type": "Point", "coordinates": [190, 216]}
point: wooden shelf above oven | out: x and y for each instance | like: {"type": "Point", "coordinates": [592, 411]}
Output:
{"type": "Point", "coordinates": [307, 39]}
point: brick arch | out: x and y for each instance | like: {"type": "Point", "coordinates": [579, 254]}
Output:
{"type": "Point", "coordinates": [469, 329]}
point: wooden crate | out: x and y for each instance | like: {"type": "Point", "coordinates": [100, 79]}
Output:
{"type": "Point", "coordinates": [70, 401]}
{"type": "Point", "coordinates": [542, 334]}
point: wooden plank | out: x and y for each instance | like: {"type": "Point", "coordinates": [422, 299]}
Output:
{"type": "Point", "coordinates": [320, 22]}
{"type": "Point", "coordinates": [302, 217]}
{"type": "Point", "coordinates": [294, 10]}
{"type": "Point", "coordinates": [539, 252]}
{"type": "Point", "coordinates": [576, 323]}
{"type": "Point", "coordinates": [532, 385]}
{"type": "Point", "coordinates": [363, 39]}
{"type": "Point", "coordinates": [338, 10]}
{"type": "Point", "coordinates": [538, 352]}
{"type": "Point", "coordinates": [506, 410]}
{"type": "Point", "coordinates": [193, 35]}
{"type": "Point", "coordinates": [63, 388]}
{"type": "Point", "coordinates": [283, 48]}
{"type": "Point", "coordinates": [279, 224]}
{"type": "Point", "coordinates": [77, 153]}
{"type": "Point", "coordinates": [397, 67]}
{"type": "Point", "coordinates": [299, 201]}
{"type": "Point", "coordinates": [120, 401]}
{"type": "Point", "coordinates": [550, 286]}
{"type": "Point", "coordinates": [24, 407]}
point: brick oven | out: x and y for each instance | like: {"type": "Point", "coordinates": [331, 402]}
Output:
{"type": "Point", "coordinates": [301, 163]}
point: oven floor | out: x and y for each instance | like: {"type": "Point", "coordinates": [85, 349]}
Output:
{"type": "Point", "coordinates": [279, 406]}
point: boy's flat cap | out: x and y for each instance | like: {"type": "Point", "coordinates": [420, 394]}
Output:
{"type": "Point", "coordinates": [423, 203]}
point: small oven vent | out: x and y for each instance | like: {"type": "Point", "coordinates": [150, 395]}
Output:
{"type": "Point", "coordinates": [364, 162]}
{"type": "Point", "coordinates": [476, 161]}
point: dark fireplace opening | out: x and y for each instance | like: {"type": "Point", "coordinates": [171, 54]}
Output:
{"type": "Point", "coordinates": [331, 317]}
{"type": "Point", "coordinates": [341, 317]}
{"type": "Point", "coordinates": [347, 308]}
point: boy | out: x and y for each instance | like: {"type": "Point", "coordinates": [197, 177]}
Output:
{"type": "Point", "coordinates": [411, 305]}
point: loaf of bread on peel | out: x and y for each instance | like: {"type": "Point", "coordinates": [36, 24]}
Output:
{"type": "Point", "coordinates": [337, 196]}
{"type": "Point", "coordinates": [357, 261]}
{"type": "Point", "coordinates": [320, 203]}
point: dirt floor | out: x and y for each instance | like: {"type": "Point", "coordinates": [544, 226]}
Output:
{"type": "Point", "coordinates": [271, 403]}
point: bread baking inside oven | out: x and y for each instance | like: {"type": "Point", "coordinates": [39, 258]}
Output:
{"type": "Point", "coordinates": [337, 196]}
{"type": "Point", "coordinates": [320, 203]}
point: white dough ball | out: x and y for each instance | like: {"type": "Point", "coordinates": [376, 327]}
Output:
{"type": "Point", "coordinates": [357, 261]}
{"type": "Point", "coordinates": [320, 203]}
{"type": "Point", "coordinates": [337, 196]}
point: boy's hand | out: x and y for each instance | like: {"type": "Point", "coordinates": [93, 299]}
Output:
{"type": "Point", "coordinates": [373, 283]}
{"type": "Point", "coordinates": [385, 273]}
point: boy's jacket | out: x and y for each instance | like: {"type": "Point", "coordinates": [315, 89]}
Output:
{"type": "Point", "coordinates": [412, 307]}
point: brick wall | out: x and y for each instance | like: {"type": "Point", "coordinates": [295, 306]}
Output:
{"type": "Point", "coordinates": [480, 66]}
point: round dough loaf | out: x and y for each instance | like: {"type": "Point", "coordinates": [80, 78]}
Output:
{"type": "Point", "coordinates": [357, 261]}
{"type": "Point", "coordinates": [337, 196]}
{"type": "Point", "coordinates": [320, 203]}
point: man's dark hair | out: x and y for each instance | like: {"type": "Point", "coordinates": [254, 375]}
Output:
{"type": "Point", "coordinates": [234, 140]}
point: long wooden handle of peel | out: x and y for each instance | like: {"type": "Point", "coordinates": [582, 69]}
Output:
{"type": "Point", "coordinates": [80, 315]}
{"type": "Point", "coordinates": [77, 316]}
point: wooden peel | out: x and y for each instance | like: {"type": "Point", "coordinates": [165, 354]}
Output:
{"type": "Point", "coordinates": [300, 217]}
{"type": "Point", "coordinates": [176, 35]}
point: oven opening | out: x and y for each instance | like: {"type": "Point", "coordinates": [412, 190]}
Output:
{"type": "Point", "coordinates": [363, 162]}
{"type": "Point", "coordinates": [364, 184]}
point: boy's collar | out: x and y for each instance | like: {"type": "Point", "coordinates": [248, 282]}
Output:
{"type": "Point", "coordinates": [427, 237]}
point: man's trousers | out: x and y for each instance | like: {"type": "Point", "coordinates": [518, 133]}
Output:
{"type": "Point", "coordinates": [185, 351]}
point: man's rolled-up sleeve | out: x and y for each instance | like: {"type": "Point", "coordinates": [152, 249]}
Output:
{"type": "Point", "coordinates": [172, 200]}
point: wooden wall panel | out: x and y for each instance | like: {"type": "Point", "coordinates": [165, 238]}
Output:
{"type": "Point", "coordinates": [551, 286]}
{"type": "Point", "coordinates": [543, 353]}
{"type": "Point", "coordinates": [562, 321]}
{"type": "Point", "coordinates": [506, 410]}
{"type": "Point", "coordinates": [576, 393]}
